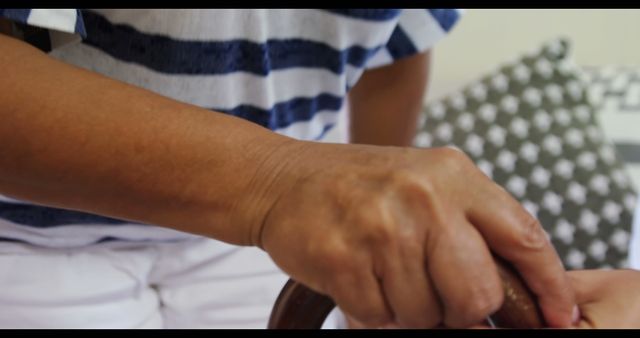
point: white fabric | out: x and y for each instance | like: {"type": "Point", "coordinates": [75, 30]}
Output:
{"type": "Point", "coordinates": [634, 246]}
{"type": "Point", "coordinates": [227, 91]}
{"type": "Point", "coordinates": [380, 58]}
{"type": "Point", "coordinates": [252, 25]}
{"type": "Point", "coordinates": [79, 235]}
{"type": "Point", "coordinates": [9, 200]}
{"type": "Point", "coordinates": [315, 126]}
{"type": "Point", "coordinates": [60, 19]}
{"type": "Point", "coordinates": [422, 28]}
{"type": "Point", "coordinates": [198, 283]}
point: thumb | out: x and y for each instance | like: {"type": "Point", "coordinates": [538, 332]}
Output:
{"type": "Point", "coordinates": [585, 284]}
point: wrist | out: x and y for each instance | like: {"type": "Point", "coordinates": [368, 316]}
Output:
{"type": "Point", "coordinates": [278, 168]}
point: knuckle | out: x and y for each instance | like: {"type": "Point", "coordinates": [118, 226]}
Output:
{"type": "Point", "coordinates": [429, 188]}
{"type": "Point", "coordinates": [452, 158]}
{"type": "Point", "coordinates": [333, 258]}
{"type": "Point", "coordinates": [382, 235]}
{"type": "Point", "coordinates": [416, 188]}
{"type": "Point", "coordinates": [374, 209]}
{"type": "Point", "coordinates": [376, 219]}
{"type": "Point", "coordinates": [403, 176]}
{"type": "Point", "coordinates": [531, 235]}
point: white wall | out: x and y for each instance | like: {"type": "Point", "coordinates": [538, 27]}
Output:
{"type": "Point", "coordinates": [485, 38]}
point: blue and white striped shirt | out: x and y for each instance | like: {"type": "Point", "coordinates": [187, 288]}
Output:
{"type": "Point", "coordinates": [288, 70]}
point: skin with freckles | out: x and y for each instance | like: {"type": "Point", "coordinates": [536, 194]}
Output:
{"type": "Point", "coordinates": [391, 233]}
{"type": "Point", "coordinates": [365, 224]}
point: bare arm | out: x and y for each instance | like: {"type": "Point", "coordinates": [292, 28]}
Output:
{"type": "Point", "coordinates": [75, 139]}
{"type": "Point", "coordinates": [386, 102]}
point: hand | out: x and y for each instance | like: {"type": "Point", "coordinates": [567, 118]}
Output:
{"type": "Point", "coordinates": [607, 299]}
{"type": "Point", "coordinates": [400, 236]}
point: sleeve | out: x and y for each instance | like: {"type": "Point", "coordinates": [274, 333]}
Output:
{"type": "Point", "coordinates": [62, 25]}
{"type": "Point", "coordinates": [416, 31]}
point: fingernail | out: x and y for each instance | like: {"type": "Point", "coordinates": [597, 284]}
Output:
{"type": "Point", "coordinates": [575, 316]}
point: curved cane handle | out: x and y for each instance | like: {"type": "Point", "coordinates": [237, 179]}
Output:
{"type": "Point", "coordinates": [298, 307]}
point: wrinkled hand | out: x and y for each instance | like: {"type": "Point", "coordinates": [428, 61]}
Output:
{"type": "Point", "coordinates": [400, 236]}
{"type": "Point", "coordinates": [607, 298]}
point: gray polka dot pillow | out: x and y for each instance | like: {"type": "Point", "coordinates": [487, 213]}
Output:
{"type": "Point", "coordinates": [530, 127]}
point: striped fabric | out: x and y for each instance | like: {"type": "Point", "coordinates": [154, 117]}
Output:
{"type": "Point", "coordinates": [287, 70]}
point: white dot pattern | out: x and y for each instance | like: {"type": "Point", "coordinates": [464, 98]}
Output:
{"type": "Point", "coordinates": [530, 127]}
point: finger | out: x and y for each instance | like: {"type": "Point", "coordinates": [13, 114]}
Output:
{"type": "Point", "coordinates": [589, 285]}
{"type": "Point", "coordinates": [517, 236]}
{"type": "Point", "coordinates": [359, 294]}
{"type": "Point", "coordinates": [585, 283]}
{"type": "Point", "coordinates": [407, 287]}
{"type": "Point", "coordinates": [464, 273]}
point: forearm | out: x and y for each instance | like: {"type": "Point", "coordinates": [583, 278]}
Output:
{"type": "Point", "coordinates": [75, 139]}
{"type": "Point", "coordinates": [386, 102]}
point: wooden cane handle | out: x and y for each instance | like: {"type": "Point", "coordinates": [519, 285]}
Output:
{"type": "Point", "coordinates": [298, 307]}
{"type": "Point", "coordinates": [520, 308]}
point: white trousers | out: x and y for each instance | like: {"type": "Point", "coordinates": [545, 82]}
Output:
{"type": "Point", "coordinates": [197, 283]}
